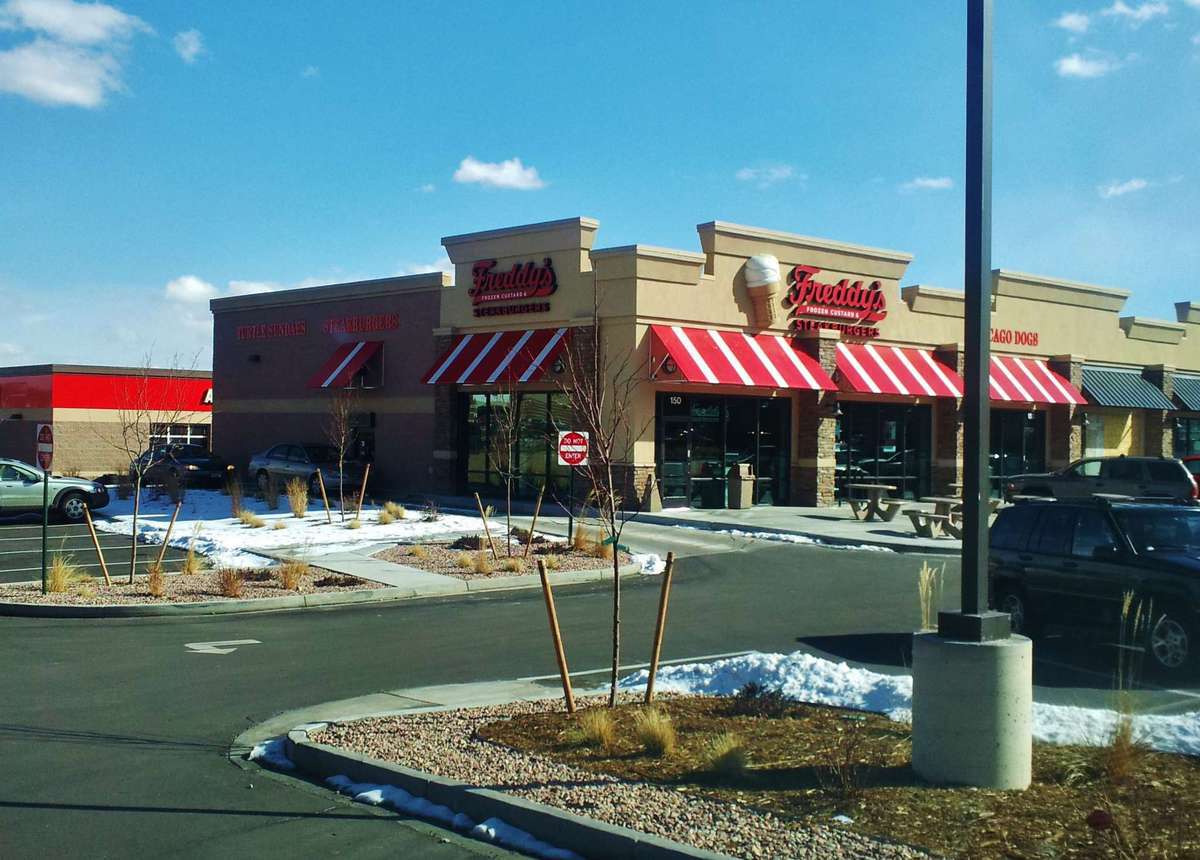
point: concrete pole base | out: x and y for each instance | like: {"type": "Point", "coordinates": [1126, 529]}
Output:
{"type": "Point", "coordinates": [973, 711]}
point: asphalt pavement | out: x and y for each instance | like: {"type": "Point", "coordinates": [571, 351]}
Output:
{"type": "Point", "coordinates": [21, 549]}
{"type": "Point", "coordinates": [114, 734]}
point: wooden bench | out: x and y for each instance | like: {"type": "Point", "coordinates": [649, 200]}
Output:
{"type": "Point", "coordinates": [931, 525]}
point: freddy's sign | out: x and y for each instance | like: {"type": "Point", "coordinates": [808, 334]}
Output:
{"type": "Point", "coordinates": [524, 281]}
{"type": "Point", "coordinates": [849, 307]}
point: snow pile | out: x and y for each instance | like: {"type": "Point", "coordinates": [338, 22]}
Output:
{"type": "Point", "coordinates": [651, 563]}
{"type": "Point", "coordinates": [229, 543]}
{"type": "Point", "coordinates": [799, 539]}
{"type": "Point", "coordinates": [807, 678]}
{"type": "Point", "coordinates": [272, 752]}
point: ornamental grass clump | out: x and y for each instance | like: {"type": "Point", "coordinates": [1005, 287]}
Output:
{"type": "Point", "coordinates": [552, 561]}
{"type": "Point", "coordinates": [395, 509]}
{"type": "Point", "coordinates": [655, 732]}
{"type": "Point", "coordinates": [1123, 753]}
{"type": "Point", "coordinates": [156, 580]}
{"type": "Point", "coordinates": [594, 728]}
{"type": "Point", "coordinates": [230, 582]}
{"type": "Point", "coordinates": [464, 560]}
{"type": "Point", "coordinates": [418, 551]}
{"type": "Point", "coordinates": [725, 755]}
{"type": "Point", "coordinates": [250, 519]}
{"type": "Point", "coordinates": [278, 525]}
{"type": "Point", "coordinates": [512, 564]}
{"type": "Point", "coordinates": [581, 539]}
{"type": "Point", "coordinates": [192, 562]}
{"type": "Point", "coordinates": [297, 496]}
{"type": "Point", "coordinates": [64, 575]}
{"type": "Point", "coordinates": [481, 565]}
{"type": "Point", "coordinates": [384, 518]}
{"type": "Point", "coordinates": [929, 592]}
{"type": "Point", "coordinates": [354, 524]}
{"type": "Point", "coordinates": [233, 488]}
{"type": "Point", "coordinates": [271, 492]}
{"type": "Point", "coordinates": [291, 574]}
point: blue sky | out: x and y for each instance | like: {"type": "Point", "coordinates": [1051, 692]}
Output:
{"type": "Point", "coordinates": [157, 154]}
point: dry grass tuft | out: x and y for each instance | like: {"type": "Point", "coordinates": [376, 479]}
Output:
{"type": "Point", "coordinates": [193, 563]}
{"type": "Point", "coordinates": [278, 525]}
{"type": "Point", "coordinates": [594, 728]}
{"type": "Point", "coordinates": [271, 492]}
{"type": "Point", "coordinates": [1122, 753]}
{"type": "Point", "coordinates": [655, 732]}
{"type": "Point", "coordinates": [384, 518]}
{"type": "Point", "coordinates": [481, 564]}
{"type": "Point", "coordinates": [725, 755]}
{"type": "Point", "coordinates": [396, 510]}
{"type": "Point", "coordinates": [512, 564]}
{"type": "Point", "coordinates": [233, 488]}
{"type": "Point", "coordinates": [231, 582]}
{"type": "Point", "coordinates": [250, 519]}
{"type": "Point", "coordinates": [354, 524]}
{"type": "Point", "coordinates": [175, 487]}
{"type": "Point", "coordinates": [156, 580]}
{"type": "Point", "coordinates": [418, 552]}
{"type": "Point", "coordinates": [297, 496]}
{"type": "Point", "coordinates": [465, 560]}
{"type": "Point", "coordinates": [581, 539]}
{"type": "Point", "coordinates": [929, 590]}
{"type": "Point", "coordinates": [64, 575]}
{"type": "Point", "coordinates": [291, 574]}
{"type": "Point", "coordinates": [600, 550]}
{"type": "Point", "coordinates": [552, 561]}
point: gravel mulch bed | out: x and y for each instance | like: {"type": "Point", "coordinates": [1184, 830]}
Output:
{"type": "Point", "coordinates": [449, 559]}
{"type": "Point", "coordinates": [180, 588]}
{"type": "Point", "coordinates": [445, 743]}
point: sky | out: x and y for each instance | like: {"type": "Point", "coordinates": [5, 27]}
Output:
{"type": "Point", "coordinates": [154, 155]}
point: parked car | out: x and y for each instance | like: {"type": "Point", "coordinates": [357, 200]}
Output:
{"type": "Point", "coordinates": [1071, 564]}
{"type": "Point", "coordinates": [21, 492]}
{"type": "Point", "coordinates": [1156, 478]}
{"type": "Point", "coordinates": [190, 464]}
{"type": "Point", "coordinates": [288, 461]}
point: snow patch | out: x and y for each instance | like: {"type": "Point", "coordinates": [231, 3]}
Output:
{"type": "Point", "coordinates": [496, 831]}
{"type": "Point", "coordinates": [273, 753]}
{"type": "Point", "coordinates": [808, 678]}
{"type": "Point", "coordinates": [798, 539]}
{"type": "Point", "coordinates": [651, 563]}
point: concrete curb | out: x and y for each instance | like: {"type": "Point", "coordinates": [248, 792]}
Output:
{"type": "Point", "coordinates": [584, 836]}
{"type": "Point", "coordinates": [819, 538]}
{"type": "Point", "coordinates": [299, 601]}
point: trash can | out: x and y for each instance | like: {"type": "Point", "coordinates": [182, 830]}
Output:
{"type": "Point", "coordinates": [741, 486]}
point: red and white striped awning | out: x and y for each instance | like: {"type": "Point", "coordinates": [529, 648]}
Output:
{"type": "Point", "coordinates": [502, 356]}
{"type": "Point", "coordinates": [706, 355]}
{"type": "Point", "coordinates": [1029, 380]}
{"type": "Point", "coordinates": [348, 359]}
{"type": "Point", "coordinates": [870, 368]}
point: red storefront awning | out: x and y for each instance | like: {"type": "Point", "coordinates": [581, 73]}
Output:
{"type": "Point", "coordinates": [502, 356]}
{"type": "Point", "coordinates": [735, 358]}
{"type": "Point", "coordinates": [347, 360]}
{"type": "Point", "coordinates": [1029, 380]}
{"type": "Point", "coordinates": [870, 368]}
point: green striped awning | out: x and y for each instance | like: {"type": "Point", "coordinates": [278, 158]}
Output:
{"type": "Point", "coordinates": [1126, 388]}
{"type": "Point", "coordinates": [1187, 391]}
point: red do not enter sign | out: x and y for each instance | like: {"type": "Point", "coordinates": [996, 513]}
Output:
{"type": "Point", "coordinates": [572, 448]}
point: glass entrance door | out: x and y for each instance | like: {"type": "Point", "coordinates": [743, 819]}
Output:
{"type": "Point", "coordinates": [1018, 441]}
{"type": "Point", "coordinates": [885, 443]}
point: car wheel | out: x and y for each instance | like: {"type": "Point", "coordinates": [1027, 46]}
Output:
{"type": "Point", "coordinates": [262, 479]}
{"type": "Point", "coordinates": [1172, 644]}
{"type": "Point", "coordinates": [71, 507]}
{"type": "Point", "coordinates": [1012, 601]}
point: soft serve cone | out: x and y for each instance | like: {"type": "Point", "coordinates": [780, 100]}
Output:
{"type": "Point", "coordinates": [762, 284]}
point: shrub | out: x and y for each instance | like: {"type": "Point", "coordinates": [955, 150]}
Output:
{"type": "Point", "coordinates": [250, 519]}
{"type": "Point", "coordinates": [385, 518]}
{"type": "Point", "coordinates": [418, 552]}
{"type": "Point", "coordinates": [655, 731]}
{"type": "Point", "coordinates": [594, 728]}
{"type": "Point", "coordinates": [257, 575]}
{"type": "Point", "coordinates": [354, 524]}
{"type": "Point", "coordinates": [291, 574]}
{"type": "Point", "coordinates": [64, 575]}
{"type": "Point", "coordinates": [481, 564]}
{"type": "Point", "coordinates": [472, 542]}
{"type": "Point", "coordinates": [231, 582]}
{"type": "Point", "coordinates": [336, 580]}
{"type": "Point", "coordinates": [520, 535]}
{"type": "Point", "coordinates": [233, 488]}
{"type": "Point", "coordinates": [512, 564]}
{"type": "Point", "coordinates": [396, 510]}
{"type": "Point", "coordinates": [297, 496]}
{"type": "Point", "coordinates": [757, 700]}
{"type": "Point", "coordinates": [156, 580]}
{"type": "Point", "coordinates": [464, 560]}
{"type": "Point", "coordinates": [842, 775]}
{"type": "Point", "coordinates": [725, 755]}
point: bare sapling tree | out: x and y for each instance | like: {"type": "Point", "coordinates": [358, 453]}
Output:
{"type": "Point", "coordinates": [339, 432]}
{"type": "Point", "coordinates": [150, 402]}
{"type": "Point", "coordinates": [600, 388]}
{"type": "Point", "coordinates": [502, 440]}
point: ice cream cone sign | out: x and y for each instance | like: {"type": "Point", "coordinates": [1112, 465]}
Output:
{"type": "Point", "coordinates": [762, 284]}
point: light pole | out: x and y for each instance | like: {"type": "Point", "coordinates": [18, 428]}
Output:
{"type": "Point", "coordinates": [973, 680]}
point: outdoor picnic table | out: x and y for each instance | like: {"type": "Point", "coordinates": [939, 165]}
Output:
{"type": "Point", "coordinates": [874, 505]}
{"type": "Point", "coordinates": [944, 504]}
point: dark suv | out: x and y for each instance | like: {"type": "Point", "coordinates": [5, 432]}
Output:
{"type": "Point", "coordinates": [1138, 477]}
{"type": "Point", "coordinates": [1071, 565]}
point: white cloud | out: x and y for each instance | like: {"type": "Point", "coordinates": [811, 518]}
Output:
{"type": "Point", "coordinates": [249, 288]}
{"type": "Point", "coordinates": [189, 45]}
{"type": "Point", "coordinates": [1079, 66]}
{"type": "Point", "coordinates": [511, 174]}
{"type": "Point", "coordinates": [310, 72]}
{"type": "Point", "coordinates": [1138, 15]}
{"type": "Point", "coordinates": [768, 175]}
{"type": "Point", "coordinates": [441, 264]}
{"type": "Point", "coordinates": [189, 288]}
{"type": "Point", "coordinates": [1075, 22]}
{"type": "Point", "coordinates": [80, 23]}
{"type": "Point", "coordinates": [10, 350]}
{"type": "Point", "coordinates": [427, 188]}
{"type": "Point", "coordinates": [52, 73]}
{"type": "Point", "coordinates": [1196, 38]}
{"type": "Point", "coordinates": [928, 183]}
{"type": "Point", "coordinates": [1116, 189]}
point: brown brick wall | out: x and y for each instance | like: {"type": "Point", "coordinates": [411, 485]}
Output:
{"type": "Point", "coordinates": [1159, 438]}
{"type": "Point", "coordinates": [813, 466]}
{"type": "Point", "coordinates": [1064, 433]}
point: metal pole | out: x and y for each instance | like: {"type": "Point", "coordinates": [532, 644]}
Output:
{"type": "Point", "coordinates": [45, 521]}
{"type": "Point", "coordinates": [978, 287]}
{"type": "Point", "coordinates": [571, 506]}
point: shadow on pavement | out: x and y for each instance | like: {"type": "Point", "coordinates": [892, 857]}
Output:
{"type": "Point", "coordinates": [365, 815]}
{"type": "Point", "coordinates": [77, 736]}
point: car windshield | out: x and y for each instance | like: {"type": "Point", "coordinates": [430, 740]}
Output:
{"type": "Point", "coordinates": [1161, 529]}
{"type": "Point", "coordinates": [321, 453]}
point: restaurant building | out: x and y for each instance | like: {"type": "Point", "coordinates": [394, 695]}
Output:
{"type": "Point", "coordinates": [803, 359]}
{"type": "Point", "coordinates": [87, 404]}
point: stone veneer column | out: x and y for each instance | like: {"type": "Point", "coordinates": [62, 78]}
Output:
{"type": "Point", "coordinates": [948, 427]}
{"type": "Point", "coordinates": [1160, 425]}
{"type": "Point", "coordinates": [444, 468]}
{"type": "Point", "coordinates": [814, 460]}
{"type": "Point", "coordinates": [1064, 435]}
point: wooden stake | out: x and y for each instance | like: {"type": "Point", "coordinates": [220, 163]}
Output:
{"type": "Point", "coordinates": [660, 626]}
{"type": "Point", "coordinates": [533, 525]}
{"type": "Point", "coordinates": [362, 491]}
{"type": "Point", "coordinates": [486, 530]}
{"type": "Point", "coordinates": [166, 539]}
{"type": "Point", "coordinates": [556, 634]}
{"type": "Point", "coordinates": [324, 498]}
{"type": "Point", "coordinates": [87, 514]}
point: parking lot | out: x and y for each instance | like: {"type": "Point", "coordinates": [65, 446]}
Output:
{"type": "Point", "coordinates": [21, 549]}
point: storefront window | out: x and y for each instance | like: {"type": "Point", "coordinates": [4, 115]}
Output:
{"type": "Point", "coordinates": [884, 443]}
{"type": "Point", "coordinates": [182, 434]}
{"type": "Point", "coordinates": [1187, 437]}
{"type": "Point", "coordinates": [1018, 445]}
{"type": "Point", "coordinates": [534, 419]}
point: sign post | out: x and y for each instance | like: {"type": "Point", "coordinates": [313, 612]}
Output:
{"type": "Point", "coordinates": [572, 451]}
{"type": "Point", "coordinates": [45, 459]}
